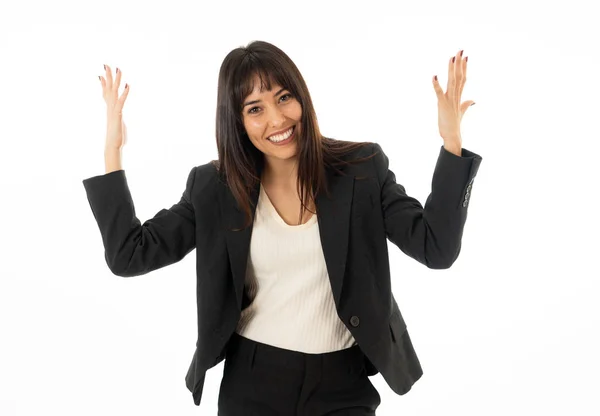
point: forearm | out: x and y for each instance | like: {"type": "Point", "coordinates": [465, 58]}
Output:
{"type": "Point", "coordinates": [132, 248]}
{"type": "Point", "coordinates": [112, 159]}
{"type": "Point", "coordinates": [431, 234]}
{"type": "Point", "coordinates": [445, 211]}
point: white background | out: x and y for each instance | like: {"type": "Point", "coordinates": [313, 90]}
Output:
{"type": "Point", "coordinates": [510, 329]}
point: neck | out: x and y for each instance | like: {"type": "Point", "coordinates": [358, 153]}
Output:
{"type": "Point", "coordinates": [280, 173]}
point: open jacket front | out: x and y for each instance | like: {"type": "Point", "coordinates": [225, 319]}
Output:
{"type": "Point", "coordinates": [354, 226]}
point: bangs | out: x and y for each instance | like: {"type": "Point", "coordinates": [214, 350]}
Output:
{"type": "Point", "coordinates": [268, 73]}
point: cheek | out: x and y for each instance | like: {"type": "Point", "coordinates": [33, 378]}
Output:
{"type": "Point", "coordinates": [254, 125]}
{"type": "Point", "coordinates": [297, 111]}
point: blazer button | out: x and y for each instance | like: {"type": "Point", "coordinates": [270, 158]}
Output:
{"type": "Point", "coordinates": [354, 321]}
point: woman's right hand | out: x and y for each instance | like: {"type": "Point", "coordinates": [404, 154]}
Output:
{"type": "Point", "coordinates": [116, 131]}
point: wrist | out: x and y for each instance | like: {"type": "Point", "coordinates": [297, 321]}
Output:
{"type": "Point", "coordinates": [112, 149]}
{"type": "Point", "coordinates": [112, 159]}
{"type": "Point", "coordinates": [453, 146]}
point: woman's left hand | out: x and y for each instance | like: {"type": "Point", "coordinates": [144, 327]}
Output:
{"type": "Point", "coordinates": [450, 109]}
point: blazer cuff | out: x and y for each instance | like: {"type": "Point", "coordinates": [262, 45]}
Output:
{"type": "Point", "coordinates": [454, 176]}
{"type": "Point", "coordinates": [107, 189]}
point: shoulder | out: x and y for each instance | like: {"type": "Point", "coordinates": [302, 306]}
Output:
{"type": "Point", "coordinates": [363, 158]}
{"type": "Point", "coordinates": [202, 178]}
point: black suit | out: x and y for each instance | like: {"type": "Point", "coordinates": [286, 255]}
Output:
{"type": "Point", "coordinates": [353, 226]}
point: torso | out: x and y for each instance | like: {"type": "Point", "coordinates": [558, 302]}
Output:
{"type": "Point", "coordinates": [287, 204]}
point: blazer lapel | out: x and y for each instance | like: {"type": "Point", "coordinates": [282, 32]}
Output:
{"type": "Point", "coordinates": [333, 219]}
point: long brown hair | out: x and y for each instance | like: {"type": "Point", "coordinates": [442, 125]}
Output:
{"type": "Point", "coordinates": [240, 163]}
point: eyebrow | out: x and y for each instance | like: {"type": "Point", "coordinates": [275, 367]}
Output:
{"type": "Point", "coordinates": [257, 101]}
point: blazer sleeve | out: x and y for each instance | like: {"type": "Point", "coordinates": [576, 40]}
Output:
{"type": "Point", "coordinates": [431, 234]}
{"type": "Point", "coordinates": [132, 248]}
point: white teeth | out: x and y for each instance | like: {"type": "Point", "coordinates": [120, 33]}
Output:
{"type": "Point", "coordinates": [281, 137]}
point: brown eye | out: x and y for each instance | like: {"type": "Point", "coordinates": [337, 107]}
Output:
{"type": "Point", "coordinates": [285, 95]}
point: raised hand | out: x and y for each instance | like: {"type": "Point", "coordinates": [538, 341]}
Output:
{"type": "Point", "coordinates": [116, 131]}
{"type": "Point", "coordinates": [450, 109]}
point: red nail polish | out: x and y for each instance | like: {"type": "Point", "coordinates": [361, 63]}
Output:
{"type": "Point", "coordinates": [453, 58]}
{"type": "Point", "coordinates": [461, 52]}
{"type": "Point", "coordinates": [467, 59]}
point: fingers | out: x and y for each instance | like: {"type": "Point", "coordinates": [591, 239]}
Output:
{"type": "Point", "coordinates": [109, 78]}
{"type": "Point", "coordinates": [110, 89]}
{"type": "Point", "coordinates": [118, 106]}
{"type": "Point", "coordinates": [459, 66]}
{"type": "Point", "coordinates": [117, 81]}
{"type": "Point", "coordinates": [123, 96]}
{"type": "Point", "coordinates": [110, 85]}
{"type": "Point", "coordinates": [456, 76]}
{"type": "Point", "coordinates": [451, 80]}
{"type": "Point", "coordinates": [103, 82]}
{"type": "Point", "coordinates": [438, 88]}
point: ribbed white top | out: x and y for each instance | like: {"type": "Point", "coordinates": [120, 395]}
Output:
{"type": "Point", "coordinates": [293, 306]}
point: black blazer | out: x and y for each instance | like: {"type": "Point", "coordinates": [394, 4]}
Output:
{"type": "Point", "coordinates": [354, 225]}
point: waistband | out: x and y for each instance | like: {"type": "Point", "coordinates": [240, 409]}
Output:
{"type": "Point", "coordinates": [349, 358]}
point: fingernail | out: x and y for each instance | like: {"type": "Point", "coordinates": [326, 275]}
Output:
{"type": "Point", "coordinates": [117, 69]}
{"type": "Point", "coordinates": [472, 104]}
{"type": "Point", "coordinates": [467, 59]}
{"type": "Point", "coordinates": [435, 77]}
{"type": "Point", "coordinates": [461, 52]}
{"type": "Point", "coordinates": [126, 85]}
{"type": "Point", "coordinates": [100, 78]}
{"type": "Point", "coordinates": [105, 67]}
{"type": "Point", "coordinates": [453, 58]}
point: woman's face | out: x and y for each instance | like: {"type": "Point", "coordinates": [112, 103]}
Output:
{"type": "Point", "coordinates": [275, 111]}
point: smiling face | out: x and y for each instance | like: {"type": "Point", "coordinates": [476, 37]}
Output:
{"type": "Point", "coordinates": [266, 113]}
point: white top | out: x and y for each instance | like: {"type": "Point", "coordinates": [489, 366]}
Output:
{"type": "Point", "coordinates": [293, 306]}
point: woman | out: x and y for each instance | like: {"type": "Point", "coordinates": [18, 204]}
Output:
{"type": "Point", "coordinates": [290, 229]}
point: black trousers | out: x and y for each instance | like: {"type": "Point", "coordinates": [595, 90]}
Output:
{"type": "Point", "coordinates": [263, 380]}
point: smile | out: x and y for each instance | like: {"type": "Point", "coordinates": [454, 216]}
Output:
{"type": "Point", "coordinates": [283, 138]}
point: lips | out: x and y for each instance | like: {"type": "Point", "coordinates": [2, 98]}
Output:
{"type": "Point", "coordinates": [279, 132]}
{"type": "Point", "coordinates": [285, 142]}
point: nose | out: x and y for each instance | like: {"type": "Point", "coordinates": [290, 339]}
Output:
{"type": "Point", "coordinates": [276, 117]}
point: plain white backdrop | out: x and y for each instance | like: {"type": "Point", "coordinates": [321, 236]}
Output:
{"type": "Point", "coordinates": [510, 329]}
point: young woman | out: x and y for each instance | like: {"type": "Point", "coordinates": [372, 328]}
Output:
{"type": "Point", "coordinates": [290, 230]}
